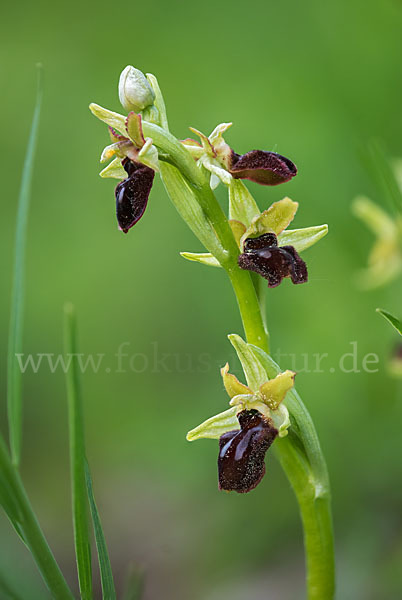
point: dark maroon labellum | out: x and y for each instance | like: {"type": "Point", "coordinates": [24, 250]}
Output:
{"type": "Point", "coordinates": [132, 194]}
{"type": "Point", "coordinates": [263, 256]}
{"type": "Point", "coordinates": [266, 168]}
{"type": "Point", "coordinates": [241, 453]}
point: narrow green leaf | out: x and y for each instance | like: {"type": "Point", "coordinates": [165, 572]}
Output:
{"type": "Point", "coordinates": [14, 375]}
{"type": "Point", "coordinates": [134, 588]}
{"type": "Point", "coordinates": [108, 590]}
{"type": "Point", "coordinates": [77, 458]}
{"type": "Point", "coordinates": [396, 323]}
{"type": "Point", "coordinates": [254, 372]}
{"type": "Point", "coordinates": [301, 239]}
{"type": "Point", "coordinates": [205, 258]}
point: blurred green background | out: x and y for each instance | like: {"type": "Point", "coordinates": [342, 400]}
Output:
{"type": "Point", "coordinates": [313, 80]}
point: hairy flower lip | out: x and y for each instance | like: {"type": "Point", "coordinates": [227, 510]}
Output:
{"type": "Point", "coordinates": [263, 256]}
{"type": "Point", "coordinates": [241, 464]}
{"type": "Point", "coordinates": [260, 166]}
{"type": "Point", "coordinates": [132, 194]}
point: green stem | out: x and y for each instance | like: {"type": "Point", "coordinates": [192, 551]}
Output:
{"type": "Point", "coordinates": [21, 515]}
{"type": "Point", "coordinates": [299, 454]}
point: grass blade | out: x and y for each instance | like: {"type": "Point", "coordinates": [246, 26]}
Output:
{"type": "Point", "coordinates": [108, 590]}
{"type": "Point", "coordinates": [135, 585]}
{"type": "Point", "coordinates": [77, 458]}
{"type": "Point", "coordinates": [14, 379]}
{"type": "Point", "coordinates": [396, 323]}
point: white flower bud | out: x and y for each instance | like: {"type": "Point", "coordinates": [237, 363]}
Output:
{"type": "Point", "coordinates": [135, 93]}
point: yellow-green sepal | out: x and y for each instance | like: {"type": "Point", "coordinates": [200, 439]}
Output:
{"type": "Point", "coordinates": [113, 119]}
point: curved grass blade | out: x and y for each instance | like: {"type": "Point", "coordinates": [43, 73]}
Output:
{"type": "Point", "coordinates": [134, 589]}
{"type": "Point", "coordinates": [15, 502]}
{"type": "Point", "coordinates": [396, 323]}
{"type": "Point", "coordinates": [108, 590]}
{"type": "Point", "coordinates": [77, 458]}
{"type": "Point", "coordinates": [14, 375]}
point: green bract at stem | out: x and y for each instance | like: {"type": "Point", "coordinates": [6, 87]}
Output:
{"type": "Point", "coordinates": [17, 506]}
{"type": "Point", "coordinates": [299, 454]}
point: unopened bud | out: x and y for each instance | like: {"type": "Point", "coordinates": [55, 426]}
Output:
{"type": "Point", "coordinates": [135, 93]}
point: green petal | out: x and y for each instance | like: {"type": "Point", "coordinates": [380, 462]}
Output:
{"type": "Point", "coordinates": [109, 117]}
{"type": "Point", "coordinates": [242, 206]}
{"type": "Point", "coordinates": [396, 323]}
{"type": "Point", "coordinates": [253, 370]}
{"type": "Point", "coordinates": [205, 258]}
{"type": "Point", "coordinates": [301, 239]}
{"type": "Point", "coordinates": [215, 426]}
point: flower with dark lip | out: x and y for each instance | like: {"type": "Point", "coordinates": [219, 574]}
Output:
{"type": "Point", "coordinates": [263, 256]}
{"type": "Point", "coordinates": [132, 193]}
{"type": "Point", "coordinates": [261, 166]}
{"type": "Point", "coordinates": [241, 453]}
{"type": "Point", "coordinates": [265, 168]}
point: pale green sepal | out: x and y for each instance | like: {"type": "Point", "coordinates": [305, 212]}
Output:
{"type": "Point", "coordinates": [253, 370]}
{"type": "Point", "coordinates": [221, 149]}
{"type": "Point", "coordinates": [374, 217]}
{"type": "Point", "coordinates": [215, 426]}
{"type": "Point", "coordinates": [159, 101]}
{"type": "Point", "coordinates": [301, 239]}
{"type": "Point", "coordinates": [218, 132]}
{"type": "Point", "coordinates": [205, 258]}
{"type": "Point", "coordinates": [273, 220]}
{"type": "Point", "coordinates": [396, 323]}
{"type": "Point", "coordinates": [148, 155]}
{"type": "Point", "coordinates": [114, 170]}
{"type": "Point", "coordinates": [109, 117]}
{"type": "Point", "coordinates": [194, 147]}
{"type": "Point", "coordinates": [242, 206]}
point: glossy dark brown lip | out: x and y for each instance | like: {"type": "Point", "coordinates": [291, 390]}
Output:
{"type": "Point", "coordinates": [132, 194]}
{"type": "Point", "coordinates": [263, 256]}
{"type": "Point", "coordinates": [241, 464]}
{"type": "Point", "coordinates": [265, 168]}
